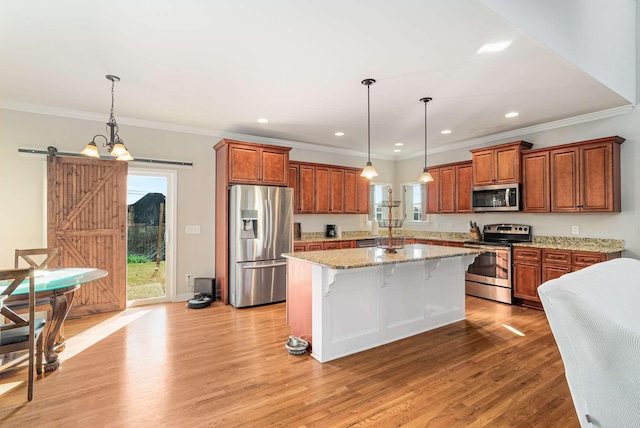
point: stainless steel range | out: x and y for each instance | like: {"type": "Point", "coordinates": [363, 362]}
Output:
{"type": "Point", "coordinates": [490, 275]}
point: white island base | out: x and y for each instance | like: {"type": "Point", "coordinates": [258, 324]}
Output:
{"type": "Point", "coordinates": [355, 309]}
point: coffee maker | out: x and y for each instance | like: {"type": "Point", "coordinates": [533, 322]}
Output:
{"type": "Point", "coordinates": [331, 231]}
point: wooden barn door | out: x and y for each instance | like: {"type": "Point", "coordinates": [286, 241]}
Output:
{"type": "Point", "coordinates": [87, 220]}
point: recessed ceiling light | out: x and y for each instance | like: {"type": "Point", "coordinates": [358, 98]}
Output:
{"type": "Point", "coordinates": [494, 47]}
{"type": "Point", "coordinates": [512, 114]}
{"type": "Point", "coordinates": [339, 134]}
{"type": "Point", "coordinates": [396, 150]}
{"type": "Point", "coordinates": [445, 131]}
{"type": "Point", "coordinates": [399, 144]}
{"type": "Point", "coordinates": [263, 120]}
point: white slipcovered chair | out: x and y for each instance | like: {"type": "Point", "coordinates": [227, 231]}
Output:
{"type": "Point", "coordinates": [594, 315]}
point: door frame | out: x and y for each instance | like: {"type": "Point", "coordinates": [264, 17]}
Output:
{"type": "Point", "coordinates": [170, 210]}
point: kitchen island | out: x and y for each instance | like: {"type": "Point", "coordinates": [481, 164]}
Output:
{"type": "Point", "coordinates": [347, 301]}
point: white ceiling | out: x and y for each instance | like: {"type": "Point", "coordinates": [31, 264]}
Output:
{"type": "Point", "coordinates": [221, 65]}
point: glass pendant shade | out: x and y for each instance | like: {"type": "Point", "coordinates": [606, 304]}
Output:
{"type": "Point", "coordinates": [369, 171]}
{"type": "Point", "coordinates": [91, 150]}
{"type": "Point", "coordinates": [425, 177]}
{"type": "Point", "coordinates": [118, 150]}
{"type": "Point", "coordinates": [125, 157]}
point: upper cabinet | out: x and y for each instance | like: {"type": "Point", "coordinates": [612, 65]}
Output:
{"type": "Point", "coordinates": [577, 177]}
{"type": "Point", "coordinates": [498, 164]}
{"type": "Point", "coordinates": [535, 181]}
{"type": "Point", "coordinates": [254, 163]}
{"type": "Point", "coordinates": [585, 177]}
{"type": "Point", "coordinates": [329, 189]}
{"type": "Point", "coordinates": [450, 190]}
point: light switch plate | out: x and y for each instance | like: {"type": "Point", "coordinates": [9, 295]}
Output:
{"type": "Point", "coordinates": [192, 229]}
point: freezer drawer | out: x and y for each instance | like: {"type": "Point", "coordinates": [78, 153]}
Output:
{"type": "Point", "coordinates": [257, 283]}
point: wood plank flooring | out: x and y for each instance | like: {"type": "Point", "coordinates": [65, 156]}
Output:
{"type": "Point", "coordinates": [165, 365]}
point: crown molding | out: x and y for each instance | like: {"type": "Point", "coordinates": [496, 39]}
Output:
{"type": "Point", "coordinates": [75, 114]}
{"type": "Point", "coordinates": [576, 120]}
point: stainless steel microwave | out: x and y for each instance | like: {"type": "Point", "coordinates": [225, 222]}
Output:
{"type": "Point", "coordinates": [499, 197]}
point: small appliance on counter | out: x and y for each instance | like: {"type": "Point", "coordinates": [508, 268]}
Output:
{"type": "Point", "coordinates": [331, 231]}
{"type": "Point", "coordinates": [297, 231]}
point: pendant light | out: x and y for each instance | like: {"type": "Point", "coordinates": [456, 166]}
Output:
{"type": "Point", "coordinates": [369, 171]}
{"type": "Point", "coordinates": [425, 177]}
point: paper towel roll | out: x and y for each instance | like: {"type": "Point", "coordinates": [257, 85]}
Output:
{"type": "Point", "coordinates": [339, 231]}
{"type": "Point", "coordinates": [374, 227]}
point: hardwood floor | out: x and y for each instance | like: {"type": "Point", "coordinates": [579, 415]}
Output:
{"type": "Point", "coordinates": [165, 365]}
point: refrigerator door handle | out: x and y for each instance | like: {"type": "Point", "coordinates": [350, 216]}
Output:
{"type": "Point", "coordinates": [265, 266]}
{"type": "Point", "coordinates": [267, 203]}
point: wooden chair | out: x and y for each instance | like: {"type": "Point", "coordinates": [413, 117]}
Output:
{"type": "Point", "coordinates": [20, 333]}
{"type": "Point", "coordinates": [50, 254]}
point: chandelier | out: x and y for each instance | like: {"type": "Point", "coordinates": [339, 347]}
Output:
{"type": "Point", "coordinates": [115, 146]}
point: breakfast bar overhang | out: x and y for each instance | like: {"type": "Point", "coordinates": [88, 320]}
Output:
{"type": "Point", "coordinates": [347, 301]}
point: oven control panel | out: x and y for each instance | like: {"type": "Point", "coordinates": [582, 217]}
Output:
{"type": "Point", "coordinates": [511, 229]}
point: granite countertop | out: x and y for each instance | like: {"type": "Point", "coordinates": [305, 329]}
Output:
{"type": "Point", "coordinates": [364, 257]}
{"type": "Point", "coordinates": [597, 245]}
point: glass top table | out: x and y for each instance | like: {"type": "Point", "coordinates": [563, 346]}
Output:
{"type": "Point", "coordinates": [59, 286]}
{"type": "Point", "coordinates": [47, 282]}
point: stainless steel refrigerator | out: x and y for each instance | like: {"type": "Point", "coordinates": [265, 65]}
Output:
{"type": "Point", "coordinates": [260, 230]}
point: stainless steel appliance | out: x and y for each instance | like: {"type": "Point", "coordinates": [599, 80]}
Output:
{"type": "Point", "coordinates": [366, 243]}
{"type": "Point", "coordinates": [489, 276]}
{"type": "Point", "coordinates": [499, 197]}
{"type": "Point", "coordinates": [260, 230]}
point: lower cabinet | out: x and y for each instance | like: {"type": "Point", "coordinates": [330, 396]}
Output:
{"type": "Point", "coordinates": [323, 245]}
{"type": "Point", "coordinates": [526, 273]}
{"type": "Point", "coordinates": [533, 266]}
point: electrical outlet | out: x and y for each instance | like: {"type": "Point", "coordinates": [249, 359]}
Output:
{"type": "Point", "coordinates": [575, 230]}
{"type": "Point", "coordinates": [188, 279]}
{"type": "Point", "coordinates": [448, 226]}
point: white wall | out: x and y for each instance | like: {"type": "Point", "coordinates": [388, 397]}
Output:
{"type": "Point", "coordinates": [624, 225]}
{"type": "Point", "coordinates": [597, 36]}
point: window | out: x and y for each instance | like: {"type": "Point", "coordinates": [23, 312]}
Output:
{"type": "Point", "coordinates": [413, 200]}
{"type": "Point", "coordinates": [379, 193]}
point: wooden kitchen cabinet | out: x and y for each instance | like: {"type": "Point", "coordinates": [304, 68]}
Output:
{"type": "Point", "coordinates": [464, 178]}
{"type": "Point", "coordinates": [330, 245]}
{"type": "Point", "coordinates": [433, 199]}
{"type": "Point", "coordinates": [293, 182]}
{"type": "Point", "coordinates": [450, 190]}
{"type": "Point", "coordinates": [314, 246]}
{"type": "Point", "coordinates": [336, 186]}
{"type": "Point", "coordinates": [322, 190]}
{"type": "Point", "coordinates": [329, 189]}
{"type": "Point", "coordinates": [536, 196]}
{"type": "Point", "coordinates": [585, 176]}
{"type": "Point", "coordinates": [526, 273]}
{"type": "Point", "coordinates": [299, 247]}
{"type": "Point", "coordinates": [498, 164]}
{"type": "Point", "coordinates": [555, 263]}
{"type": "Point", "coordinates": [346, 244]}
{"type": "Point", "coordinates": [533, 266]}
{"type": "Point", "coordinates": [255, 163]}
{"type": "Point", "coordinates": [303, 187]}
{"type": "Point", "coordinates": [356, 192]}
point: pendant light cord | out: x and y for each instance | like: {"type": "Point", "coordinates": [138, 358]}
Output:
{"type": "Point", "coordinates": [425, 134]}
{"type": "Point", "coordinates": [368, 124]}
